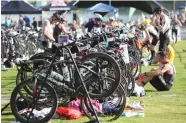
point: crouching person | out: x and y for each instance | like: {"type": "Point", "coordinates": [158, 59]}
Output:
{"type": "Point", "coordinates": [161, 78]}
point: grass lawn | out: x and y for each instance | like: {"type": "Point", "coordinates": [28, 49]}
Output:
{"type": "Point", "coordinates": [160, 107]}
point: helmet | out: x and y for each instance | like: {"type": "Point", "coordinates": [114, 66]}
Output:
{"type": "Point", "coordinates": [63, 19]}
{"type": "Point", "coordinates": [112, 18]}
{"type": "Point", "coordinates": [146, 21]}
{"type": "Point", "coordinates": [142, 27]}
{"type": "Point", "coordinates": [98, 17]}
{"type": "Point", "coordinates": [160, 8]}
{"type": "Point", "coordinates": [57, 16]}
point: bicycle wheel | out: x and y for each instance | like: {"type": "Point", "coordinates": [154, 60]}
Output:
{"type": "Point", "coordinates": [113, 106]}
{"type": "Point", "coordinates": [136, 67]}
{"type": "Point", "coordinates": [47, 101]}
{"type": "Point", "coordinates": [104, 79]}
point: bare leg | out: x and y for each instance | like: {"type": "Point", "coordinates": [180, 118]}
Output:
{"type": "Point", "coordinates": [176, 39]}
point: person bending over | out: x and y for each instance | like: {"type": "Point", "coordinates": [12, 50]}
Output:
{"type": "Point", "coordinates": [161, 78]}
{"type": "Point", "coordinates": [162, 22]}
{"type": "Point", "coordinates": [47, 34]}
{"type": "Point", "coordinates": [151, 36]}
{"type": "Point", "coordinates": [95, 22]}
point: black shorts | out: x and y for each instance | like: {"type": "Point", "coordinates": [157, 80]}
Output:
{"type": "Point", "coordinates": [164, 41]}
{"type": "Point", "coordinates": [154, 39]}
{"type": "Point", "coordinates": [175, 31]}
{"type": "Point", "coordinates": [157, 83]}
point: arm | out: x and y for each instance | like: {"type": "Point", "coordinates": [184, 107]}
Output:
{"type": "Point", "coordinates": [155, 60]}
{"type": "Point", "coordinates": [61, 26]}
{"type": "Point", "coordinates": [148, 37]}
{"type": "Point", "coordinates": [158, 71]}
{"type": "Point", "coordinates": [180, 24]}
{"type": "Point", "coordinates": [45, 32]}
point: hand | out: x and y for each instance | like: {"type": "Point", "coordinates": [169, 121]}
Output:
{"type": "Point", "coordinates": [142, 74]}
{"type": "Point", "coordinates": [52, 39]}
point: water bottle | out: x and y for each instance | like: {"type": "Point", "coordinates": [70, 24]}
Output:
{"type": "Point", "coordinates": [56, 76]}
{"type": "Point", "coordinates": [66, 73]}
{"type": "Point", "coordinates": [53, 76]}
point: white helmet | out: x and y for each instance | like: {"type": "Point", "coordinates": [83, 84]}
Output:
{"type": "Point", "coordinates": [98, 17]}
{"type": "Point", "coordinates": [112, 18]}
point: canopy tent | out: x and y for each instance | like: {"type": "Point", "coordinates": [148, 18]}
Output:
{"type": "Point", "coordinates": [182, 7]}
{"type": "Point", "coordinates": [102, 9]}
{"type": "Point", "coordinates": [19, 7]}
{"type": "Point", "coordinates": [4, 2]}
{"type": "Point", "coordinates": [146, 6]}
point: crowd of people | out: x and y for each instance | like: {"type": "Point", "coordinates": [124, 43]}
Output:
{"type": "Point", "coordinates": [23, 21]}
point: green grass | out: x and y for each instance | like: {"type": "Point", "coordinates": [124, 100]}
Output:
{"type": "Point", "coordinates": [160, 107]}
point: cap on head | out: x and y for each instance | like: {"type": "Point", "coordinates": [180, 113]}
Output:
{"type": "Point", "coordinates": [112, 19]}
{"type": "Point", "coordinates": [142, 27]}
{"type": "Point", "coordinates": [57, 16]}
{"type": "Point", "coordinates": [63, 19]}
{"type": "Point", "coordinates": [159, 8]}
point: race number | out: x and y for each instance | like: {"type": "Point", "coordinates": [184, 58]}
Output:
{"type": "Point", "coordinates": [63, 39]}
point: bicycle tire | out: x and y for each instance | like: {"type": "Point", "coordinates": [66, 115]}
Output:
{"type": "Point", "coordinates": [15, 110]}
{"type": "Point", "coordinates": [117, 72]}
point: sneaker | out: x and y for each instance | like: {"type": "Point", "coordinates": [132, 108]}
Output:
{"type": "Point", "coordinates": [136, 106]}
{"type": "Point", "coordinates": [146, 63]}
{"type": "Point", "coordinates": [140, 79]}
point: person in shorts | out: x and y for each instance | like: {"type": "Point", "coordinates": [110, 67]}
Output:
{"type": "Point", "coordinates": [162, 23]}
{"type": "Point", "coordinates": [175, 24]}
{"type": "Point", "coordinates": [161, 78]}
